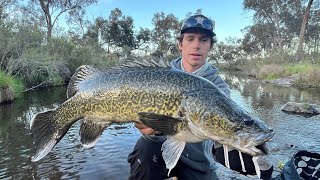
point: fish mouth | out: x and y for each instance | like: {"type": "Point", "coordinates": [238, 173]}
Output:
{"type": "Point", "coordinates": [252, 147]}
{"type": "Point", "coordinates": [264, 137]}
{"type": "Point", "coordinates": [258, 146]}
{"type": "Point", "coordinates": [257, 150]}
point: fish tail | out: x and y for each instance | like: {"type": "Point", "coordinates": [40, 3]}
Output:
{"type": "Point", "coordinates": [46, 133]}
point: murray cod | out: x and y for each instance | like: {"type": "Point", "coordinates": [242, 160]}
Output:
{"type": "Point", "coordinates": [183, 106]}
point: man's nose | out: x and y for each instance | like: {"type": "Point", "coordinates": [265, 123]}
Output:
{"type": "Point", "coordinates": [196, 44]}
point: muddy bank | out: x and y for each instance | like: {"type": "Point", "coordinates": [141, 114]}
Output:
{"type": "Point", "coordinates": [6, 95]}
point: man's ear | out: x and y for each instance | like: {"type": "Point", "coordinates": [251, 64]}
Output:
{"type": "Point", "coordinates": [180, 45]}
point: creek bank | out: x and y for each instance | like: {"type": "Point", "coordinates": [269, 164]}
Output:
{"type": "Point", "coordinates": [293, 80]}
{"type": "Point", "coordinates": [6, 95]}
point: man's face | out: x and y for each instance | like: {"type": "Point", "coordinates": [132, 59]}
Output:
{"type": "Point", "coordinates": [194, 49]}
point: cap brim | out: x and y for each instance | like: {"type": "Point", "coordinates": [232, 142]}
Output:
{"type": "Point", "coordinates": [198, 30]}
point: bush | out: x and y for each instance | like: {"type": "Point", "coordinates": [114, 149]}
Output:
{"type": "Point", "coordinates": [270, 71]}
{"type": "Point", "coordinates": [9, 81]}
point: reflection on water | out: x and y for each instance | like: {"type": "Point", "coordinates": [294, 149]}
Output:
{"type": "Point", "coordinates": [107, 160]}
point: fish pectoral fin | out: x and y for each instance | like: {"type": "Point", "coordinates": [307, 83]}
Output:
{"type": "Point", "coordinates": [171, 151]}
{"type": "Point", "coordinates": [90, 131]}
{"type": "Point", "coordinates": [162, 123]}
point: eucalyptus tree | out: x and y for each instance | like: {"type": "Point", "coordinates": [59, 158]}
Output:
{"type": "Point", "coordinates": [47, 12]}
{"type": "Point", "coordinates": [267, 13]}
{"type": "Point", "coordinates": [3, 5]}
{"type": "Point", "coordinates": [117, 32]}
{"type": "Point", "coordinates": [143, 37]}
{"type": "Point", "coordinates": [312, 36]}
{"type": "Point", "coordinates": [166, 28]}
{"type": "Point", "coordinates": [283, 21]}
{"type": "Point", "coordinates": [299, 53]}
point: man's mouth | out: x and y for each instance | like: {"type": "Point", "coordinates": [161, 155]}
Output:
{"type": "Point", "coordinates": [195, 54]}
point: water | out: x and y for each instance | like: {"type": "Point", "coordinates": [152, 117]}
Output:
{"type": "Point", "coordinates": [107, 160]}
{"type": "Point", "coordinates": [265, 100]}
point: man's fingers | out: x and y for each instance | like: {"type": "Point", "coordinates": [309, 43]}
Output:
{"type": "Point", "coordinates": [144, 129]}
{"type": "Point", "coordinates": [140, 125]}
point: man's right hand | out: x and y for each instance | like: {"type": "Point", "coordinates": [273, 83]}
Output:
{"type": "Point", "coordinates": [144, 129]}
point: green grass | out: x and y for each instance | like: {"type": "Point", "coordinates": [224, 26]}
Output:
{"type": "Point", "coordinates": [273, 71]}
{"type": "Point", "coordinates": [305, 74]}
{"type": "Point", "coordinates": [9, 81]}
{"type": "Point", "coordinates": [299, 68]}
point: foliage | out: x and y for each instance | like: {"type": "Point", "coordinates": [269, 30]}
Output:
{"type": "Point", "coordinates": [278, 23]}
{"type": "Point", "coordinates": [46, 13]}
{"type": "Point", "coordinates": [10, 81]}
{"type": "Point", "coordinates": [25, 54]}
{"type": "Point", "coordinates": [166, 28]}
{"type": "Point", "coordinates": [15, 39]}
{"type": "Point", "coordinates": [270, 71]}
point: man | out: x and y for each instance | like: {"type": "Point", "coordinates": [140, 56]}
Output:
{"type": "Point", "coordinates": [196, 162]}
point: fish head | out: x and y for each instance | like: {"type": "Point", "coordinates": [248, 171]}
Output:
{"type": "Point", "coordinates": [213, 115]}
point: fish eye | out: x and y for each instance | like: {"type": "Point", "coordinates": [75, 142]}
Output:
{"type": "Point", "coordinates": [248, 122]}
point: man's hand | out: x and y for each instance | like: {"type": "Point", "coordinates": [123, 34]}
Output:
{"type": "Point", "coordinates": [144, 129]}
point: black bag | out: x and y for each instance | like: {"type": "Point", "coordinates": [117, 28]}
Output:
{"type": "Point", "coordinates": [303, 165]}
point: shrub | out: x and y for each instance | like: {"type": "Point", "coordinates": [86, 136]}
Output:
{"type": "Point", "coordinates": [270, 71]}
{"type": "Point", "coordinates": [10, 81]}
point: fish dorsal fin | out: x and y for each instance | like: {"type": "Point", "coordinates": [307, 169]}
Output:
{"type": "Point", "coordinates": [171, 151]}
{"type": "Point", "coordinates": [90, 131]}
{"type": "Point", "coordinates": [150, 63]}
{"type": "Point", "coordinates": [82, 73]}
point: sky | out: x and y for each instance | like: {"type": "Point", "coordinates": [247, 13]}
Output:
{"type": "Point", "coordinates": [228, 15]}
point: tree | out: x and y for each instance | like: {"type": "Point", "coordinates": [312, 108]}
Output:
{"type": "Point", "coordinates": [283, 22]}
{"type": "Point", "coordinates": [3, 5]}
{"type": "Point", "coordinates": [299, 53]}
{"type": "Point", "coordinates": [268, 12]}
{"type": "Point", "coordinates": [117, 30]}
{"type": "Point", "coordinates": [166, 27]}
{"type": "Point", "coordinates": [258, 37]}
{"type": "Point", "coordinates": [143, 36]}
{"type": "Point", "coordinates": [48, 11]}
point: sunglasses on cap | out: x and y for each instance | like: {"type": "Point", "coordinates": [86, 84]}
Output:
{"type": "Point", "coordinates": [200, 22]}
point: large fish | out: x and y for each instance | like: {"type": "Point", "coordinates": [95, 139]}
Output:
{"type": "Point", "coordinates": [187, 108]}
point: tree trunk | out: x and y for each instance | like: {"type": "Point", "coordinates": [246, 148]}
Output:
{"type": "Point", "coordinates": [298, 8]}
{"type": "Point", "coordinates": [300, 53]}
{"type": "Point", "coordinates": [45, 9]}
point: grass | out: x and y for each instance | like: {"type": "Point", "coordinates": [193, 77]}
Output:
{"type": "Point", "coordinates": [308, 74]}
{"type": "Point", "coordinates": [300, 68]}
{"type": "Point", "coordinates": [7, 81]}
{"type": "Point", "coordinates": [270, 71]}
